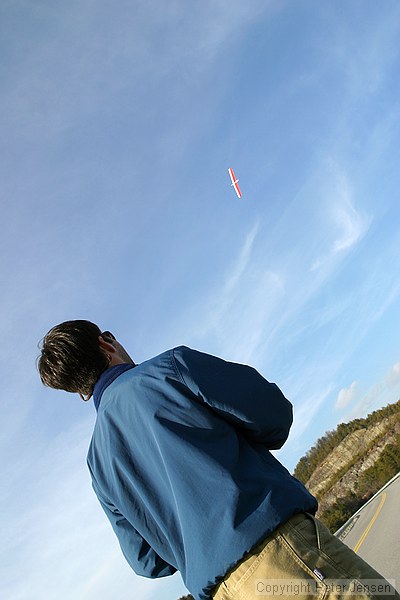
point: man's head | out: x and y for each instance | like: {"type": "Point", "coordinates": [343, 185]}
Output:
{"type": "Point", "coordinates": [75, 353]}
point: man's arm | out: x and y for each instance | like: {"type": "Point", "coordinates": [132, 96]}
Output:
{"type": "Point", "coordinates": [239, 394]}
{"type": "Point", "coordinates": [139, 554]}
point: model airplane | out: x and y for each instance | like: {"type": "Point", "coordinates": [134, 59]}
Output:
{"type": "Point", "coordinates": [235, 182]}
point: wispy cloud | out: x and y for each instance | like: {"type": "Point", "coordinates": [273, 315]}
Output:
{"type": "Point", "coordinates": [60, 81]}
{"type": "Point", "coordinates": [259, 298]}
{"type": "Point", "coordinates": [367, 57]}
{"type": "Point", "coordinates": [238, 268]}
{"type": "Point", "coordinates": [351, 224]}
{"type": "Point", "coordinates": [306, 412]}
{"type": "Point", "coordinates": [233, 315]}
{"type": "Point", "coordinates": [345, 224]}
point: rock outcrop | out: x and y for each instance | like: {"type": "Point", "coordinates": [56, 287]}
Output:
{"type": "Point", "coordinates": [338, 473]}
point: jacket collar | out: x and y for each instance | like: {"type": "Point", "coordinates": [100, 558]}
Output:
{"type": "Point", "coordinates": [107, 377]}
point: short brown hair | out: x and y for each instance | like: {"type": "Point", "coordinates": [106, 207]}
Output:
{"type": "Point", "coordinates": [71, 358]}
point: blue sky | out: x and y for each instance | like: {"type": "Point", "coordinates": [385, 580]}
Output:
{"type": "Point", "coordinates": [118, 123]}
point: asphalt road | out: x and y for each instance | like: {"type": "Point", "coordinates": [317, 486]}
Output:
{"type": "Point", "coordinates": [375, 533]}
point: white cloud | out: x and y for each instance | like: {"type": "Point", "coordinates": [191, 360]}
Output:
{"type": "Point", "coordinates": [392, 378]}
{"type": "Point", "coordinates": [385, 391]}
{"type": "Point", "coordinates": [347, 395]}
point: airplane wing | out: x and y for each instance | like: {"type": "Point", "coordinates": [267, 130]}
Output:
{"type": "Point", "coordinates": [235, 182]}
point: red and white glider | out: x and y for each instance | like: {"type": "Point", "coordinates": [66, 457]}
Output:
{"type": "Point", "coordinates": [235, 182]}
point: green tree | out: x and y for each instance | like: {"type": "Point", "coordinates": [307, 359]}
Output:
{"type": "Point", "coordinates": [386, 467]}
{"type": "Point", "coordinates": [335, 516]}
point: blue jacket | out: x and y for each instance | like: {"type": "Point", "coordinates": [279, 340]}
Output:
{"type": "Point", "coordinates": [180, 461]}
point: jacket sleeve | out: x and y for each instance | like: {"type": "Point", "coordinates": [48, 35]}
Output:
{"type": "Point", "coordinates": [239, 394]}
{"type": "Point", "coordinates": [139, 554]}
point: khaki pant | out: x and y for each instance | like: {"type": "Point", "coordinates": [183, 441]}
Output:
{"type": "Point", "coordinates": [303, 560]}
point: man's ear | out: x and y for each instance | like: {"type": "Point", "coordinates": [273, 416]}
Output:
{"type": "Point", "coordinates": [106, 345]}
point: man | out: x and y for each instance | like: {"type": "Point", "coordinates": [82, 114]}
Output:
{"type": "Point", "coordinates": [180, 462]}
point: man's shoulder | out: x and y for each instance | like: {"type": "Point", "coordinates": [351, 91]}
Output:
{"type": "Point", "coordinates": [166, 359]}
